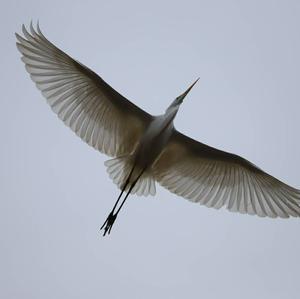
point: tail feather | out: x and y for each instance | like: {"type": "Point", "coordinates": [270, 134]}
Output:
{"type": "Point", "coordinates": [119, 170]}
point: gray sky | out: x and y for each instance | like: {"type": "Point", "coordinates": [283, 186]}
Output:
{"type": "Point", "coordinates": [55, 193]}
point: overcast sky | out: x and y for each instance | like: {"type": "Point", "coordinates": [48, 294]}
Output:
{"type": "Point", "coordinates": [55, 193]}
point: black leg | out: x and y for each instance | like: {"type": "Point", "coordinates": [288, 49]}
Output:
{"type": "Point", "coordinates": [107, 225]}
{"type": "Point", "coordinates": [112, 217]}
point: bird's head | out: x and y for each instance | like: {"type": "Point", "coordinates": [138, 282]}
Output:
{"type": "Point", "coordinates": [179, 100]}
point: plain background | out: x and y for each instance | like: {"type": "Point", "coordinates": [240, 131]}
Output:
{"type": "Point", "coordinates": [55, 193]}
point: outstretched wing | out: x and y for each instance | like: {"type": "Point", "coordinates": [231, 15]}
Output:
{"type": "Point", "coordinates": [97, 113]}
{"type": "Point", "coordinates": [215, 178]}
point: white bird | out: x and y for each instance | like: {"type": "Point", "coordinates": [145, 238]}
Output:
{"type": "Point", "coordinates": [148, 148]}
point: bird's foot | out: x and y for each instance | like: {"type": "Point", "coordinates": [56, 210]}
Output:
{"type": "Point", "coordinates": [107, 225]}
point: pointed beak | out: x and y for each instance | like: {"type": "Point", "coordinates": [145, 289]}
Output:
{"type": "Point", "coordinates": [189, 89]}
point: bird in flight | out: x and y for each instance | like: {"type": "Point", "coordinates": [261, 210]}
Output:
{"type": "Point", "coordinates": [146, 149]}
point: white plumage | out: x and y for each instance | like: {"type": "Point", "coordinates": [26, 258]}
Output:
{"type": "Point", "coordinates": [147, 148]}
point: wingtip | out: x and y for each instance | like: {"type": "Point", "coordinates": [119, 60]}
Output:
{"type": "Point", "coordinates": [39, 28]}
{"type": "Point", "coordinates": [32, 30]}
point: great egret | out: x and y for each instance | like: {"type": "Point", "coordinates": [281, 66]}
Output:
{"type": "Point", "coordinates": [148, 148]}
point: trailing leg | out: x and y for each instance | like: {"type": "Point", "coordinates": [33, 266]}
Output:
{"type": "Point", "coordinates": [107, 225]}
{"type": "Point", "coordinates": [112, 216]}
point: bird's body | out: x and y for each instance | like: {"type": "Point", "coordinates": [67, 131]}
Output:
{"type": "Point", "coordinates": [145, 148]}
{"type": "Point", "coordinates": [154, 140]}
{"type": "Point", "coordinates": [142, 159]}
{"type": "Point", "coordinates": [149, 148]}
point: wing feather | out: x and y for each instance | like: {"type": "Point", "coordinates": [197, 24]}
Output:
{"type": "Point", "coordinates": [215, 178]}
{"type": "Point", "coordinates": [97, 113]}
